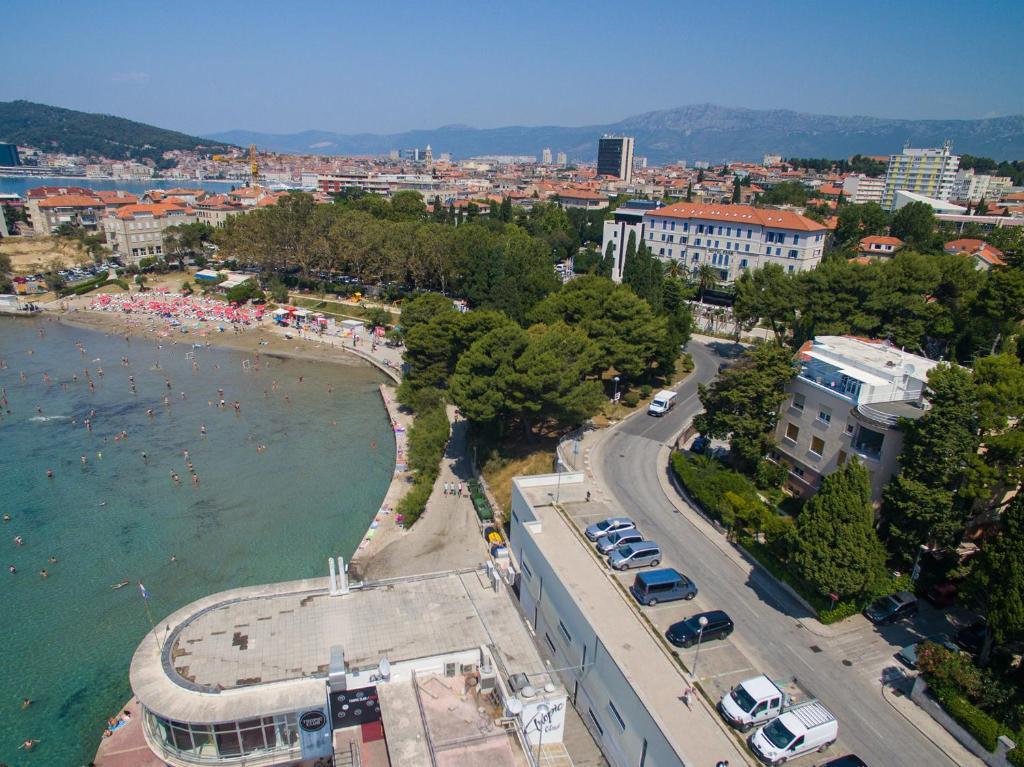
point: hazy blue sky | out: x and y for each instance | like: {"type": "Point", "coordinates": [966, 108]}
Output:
{"type": "Point", "coordinates": [388, 66]}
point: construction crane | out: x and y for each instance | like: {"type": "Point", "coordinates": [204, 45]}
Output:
{"type": "Point", "coordinates": [251, 158]}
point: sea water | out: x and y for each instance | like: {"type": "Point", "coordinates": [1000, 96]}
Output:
{"type": "Point", "coordinates": [258, 515]}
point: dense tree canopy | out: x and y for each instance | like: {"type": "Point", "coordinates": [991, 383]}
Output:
{"type": "Point", "coordinates": [742, 405]}
{"type": "Point", "coordinates": [837, 549]}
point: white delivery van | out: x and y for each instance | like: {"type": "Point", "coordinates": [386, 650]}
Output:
{"type": "Point", "coordinates": [754, 701]}
{"type": "Point", "coordinates": [663, 402]}
{"type": "Point", "coordinates": [806, 727]}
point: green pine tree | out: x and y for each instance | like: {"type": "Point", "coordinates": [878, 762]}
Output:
{"type": "Point", "coordinates": [736, 191]}
{"type": "Point", "coordinates": [837, 549]}
{"type": "Point", "coordinates": [607, 266]}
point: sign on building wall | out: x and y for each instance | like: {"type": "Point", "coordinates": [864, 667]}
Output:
{"type": "Point", "coordinates": [315, 734]}
{"type": "Point", "coordinates": [549, 722]}
{"type": "Point", "coordinates": [349, 707]}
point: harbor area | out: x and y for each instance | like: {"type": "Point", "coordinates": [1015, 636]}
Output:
{"type": "Point", "coordinates": [437, 669]}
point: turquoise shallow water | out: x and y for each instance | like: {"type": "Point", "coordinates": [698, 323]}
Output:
{"type": "Point", "coordinates": [256, 517]}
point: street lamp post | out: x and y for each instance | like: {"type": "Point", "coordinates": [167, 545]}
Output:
{"type": "Point", "coordinates": [615, 396]}
{"type": "Point", "coordinates": [542, 710]}
{"type": "Point", "coordinates": [702, 621]}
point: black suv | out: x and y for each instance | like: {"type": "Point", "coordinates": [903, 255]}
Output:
{"type": "Point", "coordinates": [892, 608]}
{"type": "Point", "coordinates": [685, 633]}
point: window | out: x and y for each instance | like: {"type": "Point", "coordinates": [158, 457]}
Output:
{"type": "Point", "coordinates": [825, 415]}
{"type": "Point", "coordinates": [798, 471]}
{"type": "Point", "coordinates": [526, 568]}
{"type": "Point", "coordinates": [791, 269]}
{"type": "Point", "coordinates": [743, 264]}
{"type": "Point", "coordinates": [716, 243]}
{"type": "Point", "coordinates": [849, 428]}
{"type": "Point", "coordinates": [778, 251]}
{"type": "Point", "coordinates": [728, 231]}
{"type": "Point", "coordinates": [746, 248]}
{"type": "Point", "coordinates": [796, 239]}
{"type": "Point", "coordinates": [700, 229]}
{"type": "Point", "coordinates": [841, 458]}
{"type": "Point", "coordinates": [817, 445]}
{"type": "Point", "coordinates": [771, 237]}
{"type": "Point", "coordinates": [719, 230]}
{"type": "Point", "coordinates": [686, 226]}
{"type": "Point", "coordinates": [618, 717]}
{"type": "Point", "coordinates": [595, 720]}
{"type": "Point", "coordinates": [792, 432]}
{"type": "Point", "coordinates": [798, 401]}
{"type": "Point", "coordinates": [697, 242]}
{"type": "Point", "coordinates": [550, 643]}
{"type": "Point", "coordinates": [750, 233]}
{"type": "Point", "coordinates": [673, 227]}
{"type": "Point", "coordinates": [792, 253]}
{"type": "Point", "coordinates": [565, 632]}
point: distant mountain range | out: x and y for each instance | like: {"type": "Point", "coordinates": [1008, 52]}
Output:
{"type": "Point", "coordinates": [54, 129]}
{"type": "Point", "coordinates": [699, 132]}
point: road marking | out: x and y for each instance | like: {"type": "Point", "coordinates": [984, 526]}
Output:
{"type": "Point", "coordinates": [801, 657]}
{"type": "Point", "coordinates": [727, 673]}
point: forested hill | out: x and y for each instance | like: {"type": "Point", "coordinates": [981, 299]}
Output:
{"type": "Point", "coordinates": [55, 129]}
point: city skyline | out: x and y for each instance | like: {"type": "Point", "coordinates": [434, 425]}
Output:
{"type": "Point", "coordinates": [325, 66]}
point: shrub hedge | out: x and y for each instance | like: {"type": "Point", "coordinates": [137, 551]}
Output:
{"type": "Point", "coordinates": [980, 725]}
{"type": "Point", "coordinates": [428, 438]}
{"type": "Point", "coordinates": [1016, 756]}
{"type": "Point", "coordinates": [708, 481]}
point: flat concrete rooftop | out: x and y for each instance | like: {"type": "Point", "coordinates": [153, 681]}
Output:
{"type": "Point", "coordinates": [697, 737]}
{"type": "Point", "coordinates": [266, 639]}
{"type": "Point", "coordinates": [266, 649]}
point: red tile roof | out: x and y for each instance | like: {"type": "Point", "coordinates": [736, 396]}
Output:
{"type": "Point", "coordinates": [41, 192]}
{"type": "Point", "coordinates": [157, 210]}
{"type": "Point", "coordinates": [745, 214]}
{"type": "Point", "coordinates": [71, 201]}
{"type": "Point", "coordinates": [116, 197]}
{"type": "Point", "coordinates": [977, 248]}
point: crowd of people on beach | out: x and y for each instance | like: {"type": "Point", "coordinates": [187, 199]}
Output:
{"type": "Point", "coordinates": [176, 308]}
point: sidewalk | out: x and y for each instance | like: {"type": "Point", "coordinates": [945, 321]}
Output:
{"type": "Point", "coordinates": [447, 536]}
{"type": "Point", "coordinates": [922, 721]}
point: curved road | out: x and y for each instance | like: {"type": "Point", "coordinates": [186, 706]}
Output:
{"type": "Point", "coordinates": [835, 669]}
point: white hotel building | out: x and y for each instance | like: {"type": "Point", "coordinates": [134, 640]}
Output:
{"type": "Point", "coordinates": [731, 238]}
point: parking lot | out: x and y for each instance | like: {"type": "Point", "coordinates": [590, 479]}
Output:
{"type": "Point", "coordinates": [723, 663]}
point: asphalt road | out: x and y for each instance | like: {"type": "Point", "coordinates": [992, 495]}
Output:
{"type": "Point", "coordinates": [844, 671]}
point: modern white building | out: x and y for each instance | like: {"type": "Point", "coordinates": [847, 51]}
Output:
{"type": "Point", "coordinates": [545, 156]}
{"type": "Point", "coordinates": [431, 669]}
{"type": "Point", "coordinates": [621, 676]}
{"type": "Point", "coordinates": [904, 198]}
{"type": "Point", "coordinates": [860, 189]}
{"type": "Point", "coordinates": [733, 238]}
{"type": "Point", "coordinates": [628, 219]}
{"type": "Point", "coordinates": [846, 400]}
{"type": "Point", "coordinates": [562, 158]}
{"type": "Point", "coordinates": [972, 187]}
{"type": "Point", "coordinates": [929, 172]}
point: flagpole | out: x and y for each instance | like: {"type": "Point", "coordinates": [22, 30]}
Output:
{"type": "Point", "coordinates": [149, 615]}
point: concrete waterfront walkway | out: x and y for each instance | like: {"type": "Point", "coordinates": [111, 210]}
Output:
{"type": "Point", "coordinates": [448, 535]}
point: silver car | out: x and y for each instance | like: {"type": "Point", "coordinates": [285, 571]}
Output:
{"type": "Point", "coordinates": [642, 554]}
{"type": "Point", "coordinates": [608, 543]}
{"type": "Point", "coordinates": [610, 525]}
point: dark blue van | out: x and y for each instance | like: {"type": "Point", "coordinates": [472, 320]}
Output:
{"type": "Point", "coordinates": [665, 585]}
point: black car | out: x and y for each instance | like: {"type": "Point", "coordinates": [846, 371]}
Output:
{"type": "Point", "coordinates": [891, 608]}
{"type": "Point", "coordinates": [846, 761]}
{"type": "Point", "coordinates": [700, 445]}
{"type": "Point", "coordinates": [971, 638]}
{"type": "Point", "coordinates": [685, 633]}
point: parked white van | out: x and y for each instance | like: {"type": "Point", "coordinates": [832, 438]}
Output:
{"type": "Point", "coordinates": [804, 728]}
{"type": "Point", "coordinates": [663, 402]}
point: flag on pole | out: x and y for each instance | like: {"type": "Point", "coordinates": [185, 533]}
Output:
{"type": "Point", "coordinates": [145, 594]}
